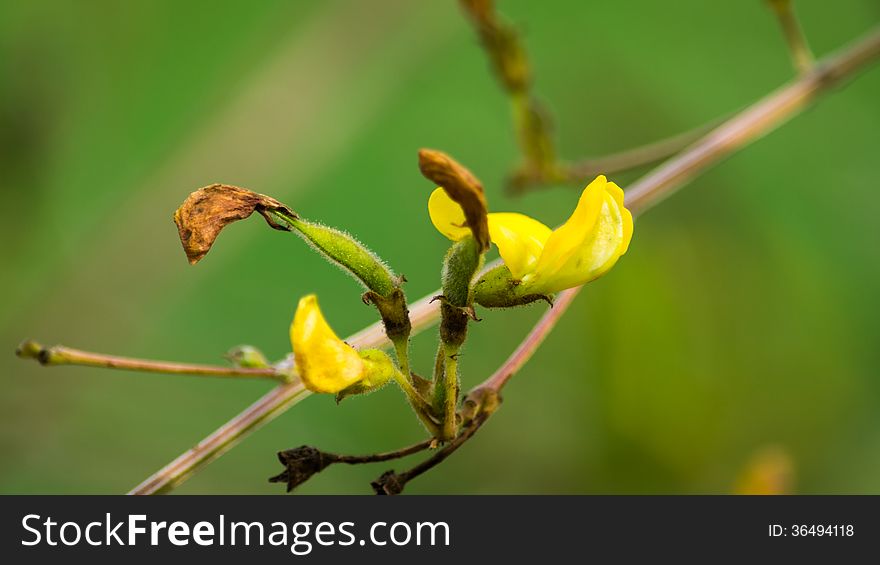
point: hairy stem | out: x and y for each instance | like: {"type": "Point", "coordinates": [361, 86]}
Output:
{"type": "Point", "coordinates": [762, 117]}
{"type": "Point", "coordinates": [420, 406]}
{"type": "Point", "coordinates": [450, 395]}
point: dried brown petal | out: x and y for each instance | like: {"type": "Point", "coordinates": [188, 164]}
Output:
{"type": "Point", "coordinates": [210, 209]}
{"type": "Point", "coordinates": [462, 186]}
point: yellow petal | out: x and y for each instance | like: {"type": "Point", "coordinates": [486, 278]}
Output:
{"type": "Point", "coordinates": [627, 218]}
{"type": "Point", "coordinates": [601, 248]}
{"type": "Point", "coordinates": [565, 240]}
{"type": "Point", "coordinates": [447, 216]}
{"type": "Point", "coordinates": [520, 240]}
{"type": "Point", "coordinates": [325, 362]}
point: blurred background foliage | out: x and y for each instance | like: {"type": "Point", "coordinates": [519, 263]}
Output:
{"type": "Point", "coordinates": [744, 317]}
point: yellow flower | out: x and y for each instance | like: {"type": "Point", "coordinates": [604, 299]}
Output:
{"type": "Point", "coordinates": [545, 261]}
{"type": "Point", "coordinates": [328, 364]}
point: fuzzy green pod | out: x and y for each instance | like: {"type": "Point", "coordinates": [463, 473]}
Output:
{"type": "Point", "coordinates": [461, 263]}
{"type": "Point", "coordinates": [498, 289]}
{"type": "Point", "coordinates": [349, 254]}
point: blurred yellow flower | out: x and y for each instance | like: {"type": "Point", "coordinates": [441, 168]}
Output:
{"type": "Point", "coordinates": [325, 362]}
{"type": "Point", "coordinates": [584, 248]}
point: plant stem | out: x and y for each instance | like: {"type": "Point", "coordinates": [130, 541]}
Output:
{"type": "Point", "coordinates": [755, 121]}
{"type": "Point", "coordinates": [386, 456]}
{"type": "Point", "coordinates": [60, 355]}
{"type": "Point", "coordinates": [401, 348]}
{"type": "Point", "coordinates": [532, 341]}
{"type": "Point", "coordinates": [637, 156]}
{"type": "Point", "coordinates": [746, 126]}
{"type": "Point", "coordinates": [510, 63]}
{"type": "Point", "coordinates": [450, 394]}
{"type": "Point", "coordinates": [393, 483]}
{"type": "Point", "coordinates": [275, 402]}
{"type": "Point", "coordinates": [801, 56]}
{"type": "Point", "coordinates": [420, 406]}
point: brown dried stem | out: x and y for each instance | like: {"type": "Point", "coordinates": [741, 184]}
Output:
{"type": "Point", "coordinates": [305, 461]}
{"type": "Point", "coordinates": [390, 483]}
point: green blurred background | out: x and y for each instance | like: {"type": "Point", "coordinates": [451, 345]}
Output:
{"type": "Point", "coordinates": [744, 316]}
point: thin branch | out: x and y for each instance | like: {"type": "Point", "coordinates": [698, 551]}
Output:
{"type": "Point", "coordinates": [801, 55]}
{"type": "Point", "coordinates": [386, 456]}
{"type": "Point", "coordinates": [579, 171]}
{"type": "Point", "coordinates": [532, 342]}
{"type": "Point", "coordinates": [510, 63]}
{"type": "Point", "coordinates": [60, 355]}
{"type": "Point", "coordinates": [756, 120]}
{"type": "Point", "coordinates": [759, 119]}
{"type": "Point", "coordinates": [394, 483]}
{"type": "Point", "coordinates": [274, 403]}
{"type": "Point", "coordinates": [305, 461]}
{"type": "Point", "coordinates": [637, 156]}
{"type": "Point", "coordinates": [541, 164]}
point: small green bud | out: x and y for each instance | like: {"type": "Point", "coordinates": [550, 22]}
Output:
{"type": "Point", "coordinates": [498, 289]}
{"type": "Point", "coordinates": [247, 357]}
{"type": "Point", "coordinates": [29, 349]}
{"type": "Point", "coordinates": [349, 254]}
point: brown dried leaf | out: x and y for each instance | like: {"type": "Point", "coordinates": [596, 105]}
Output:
{"type": "Point", "coordinates": [210, 209]}
{"type": "Point", "coordinates": [462, 186]}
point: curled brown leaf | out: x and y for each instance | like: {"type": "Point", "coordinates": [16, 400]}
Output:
{"type": "Point", "coordinates": [208, 210]}
{"type": "Point", "coordinates": [461, 186]}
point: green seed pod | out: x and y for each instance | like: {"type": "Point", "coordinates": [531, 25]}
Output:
{"type": "Point", "coordinates": [461, 264]}
{"type": "Point", "coordinates": [350, 254]}
{"type": "Point", "coordinates": [498, 289]}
